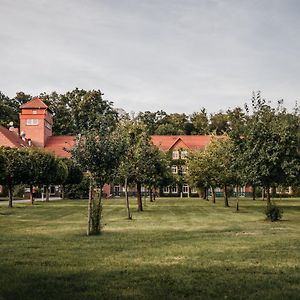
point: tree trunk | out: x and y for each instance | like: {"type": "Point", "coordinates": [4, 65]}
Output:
{"type": "Point", "coordinates": [151, 194]}
{"type": "Point", "coordinates": [213, 195]}
{"type": "Point", "coordinates": [263, 193]}
{"type": "Point", "coordinates": [237, 198]}
{"type": "Point", "coordinates": [97, 213]}
{"type": "Point", "coordinates": [154, 194]}
{"type": "Point", "coordinates": [268, 195]}
{"type": "Point", "coordinates": [10, 196]}
{"type": "Point", "coordinates": [139, 196]}
{"type": "Point", "coordinates": [206, 194]}
{"type": "Point", "coordinates": [90, 203]}
{"type": "Point", "coordinates": [47, 193]}
{"type": "Point", "coordinates": [129, 216]}
{"type": "Point", "coordinates": [253, 192]}
{"type": "Point", "coordinates": [63, 191]}
{"type": "Point", "coordinates": [226, 203]}
{"type": "Point", "coordinates": [31, 194]}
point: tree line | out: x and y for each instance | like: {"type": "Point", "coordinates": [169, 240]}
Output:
{"type": "Point", "coordinates": [80, 109]}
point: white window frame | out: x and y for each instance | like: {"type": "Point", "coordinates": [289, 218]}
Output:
{"type": "Point", "coordinates": [174, 189]}
{"type": "Point", "coordinates": [166, 189]}
{"type": "Point", "coordinates": [185, 188]}
{"type": "Point", "coordinates": [32, 122]}
{"type": "Point", "coordinates": [183, 169]}
{"type": "Point", "coordinates": [34, 112]}
{"type": "Point", "coordinates": [117, 188]}
{"type": "Point", "coordinates": [175, 169]}
{"type": "Point", "coordinates": [175, 154]}
{"type": "Point", "coordinates": [194, 190]}
{"type": "Point", "coordinates": [183, 154]}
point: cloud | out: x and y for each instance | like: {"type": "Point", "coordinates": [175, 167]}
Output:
{"type": "Point", "coordinates": [149, 55]}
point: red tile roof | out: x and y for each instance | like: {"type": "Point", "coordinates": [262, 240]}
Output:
{"type": "Point", "coordinates": [193, 142]}
{"type": "Point", "coordinates": [11, 139]}
{"type": "Point", "coordinates": [34, 103]}
{"type": "Point", "coordinates": [60, 145]}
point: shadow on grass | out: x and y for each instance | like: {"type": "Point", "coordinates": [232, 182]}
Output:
{"type": "Point", "coordinates": [149, 282]}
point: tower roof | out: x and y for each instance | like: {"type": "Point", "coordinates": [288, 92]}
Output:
{"type": "Point", "coordinates": [35, 102]}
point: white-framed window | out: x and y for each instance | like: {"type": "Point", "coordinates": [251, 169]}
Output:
{"type": "Point", "coordinates": [116, 188]}
{"type": "Point", "coordinates": [32, 122]}
{"type": "Point", "coordinates": [184, 154]}
{"type": "Point", "coordinates": [175, 154]}
{"type": "Point", "coordinates": [194, 190]}
{"type": "Point", "coordinates": [183, 169]}
{"type": "Point", "coordinates": [34, 112]}
{"type": "Point", "coordinates": [185, 188]}
{"type": "Point", "coordinates": [174, 169]}
{"type": "Point", "coordinates": [174, 189]}
{"type": "Point", "coordinates": [166, 189]}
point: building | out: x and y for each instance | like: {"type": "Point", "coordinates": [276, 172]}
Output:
{"type": "Point", "coordinates": [36, 122]}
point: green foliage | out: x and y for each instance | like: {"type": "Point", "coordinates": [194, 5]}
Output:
{"type": "Point", "coordinates": [78, 190]}
{"type": "Point", "coordinates": [273, 212]}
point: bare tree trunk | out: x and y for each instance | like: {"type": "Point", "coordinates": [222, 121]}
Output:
{"type": "Point", "coordinates": [139, 196]}
{"type": "Point", "coordinates": [129, 216]}
{"type": "Point", "coordinates": [226, 203]}
{"type": "Point", "coordinates": [253, 192]}
{"type": "Point", "coordinates": [47, 193]}
{"type": "Point", "coordinates": [154, 194]}
{"type": "Point", "coordinates": [97, 214]}
{"type": "Point", "coordinates": [213, 195]}
{"type": "Point", "coordinates": [10, 196]}
{"type": "Point", "coordinates": [237, 198]}
{"type": "Point", "coordinates": [90, 203]}
{"type": "Point", "coordinates": [206, 194]}
{"type": "Point", "coordinates": [31, 194]}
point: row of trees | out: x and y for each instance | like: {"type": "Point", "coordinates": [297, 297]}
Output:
{"type": "Point", "coordinates": [80, 110]}
{"type": "Point", "coordinates": [34, 167]}
{"type": "Point", "coordinates": [261, 149]}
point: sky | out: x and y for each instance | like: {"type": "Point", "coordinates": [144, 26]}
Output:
{"type": "Point", "coordinates": [171, 55]}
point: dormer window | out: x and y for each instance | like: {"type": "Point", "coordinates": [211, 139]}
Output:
{"type": "Point", "coordinates": [32, 122]}
{"type": "Point", "coordinates": [34, 112]}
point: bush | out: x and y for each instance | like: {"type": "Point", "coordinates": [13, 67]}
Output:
{"type": "Point", "coordinates": [273, 212]}
{"type": "Point", "coordinates": [78, 191]}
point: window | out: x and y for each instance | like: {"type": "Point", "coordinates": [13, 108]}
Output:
{"type": "Point", "coordinates": [174, 189]}
{"type": "Point", "coordinates": [166, 190]}
{"type": "Point", "coordinates": [185, 188]}
{"type": "Point", "coordinates": [194, 191]}
{"type": "Point", "coordinates": [175, 154]}
{"type": "Point", "coordinates": [31, 122]}
{"type": "Point", "coordinates": [183, 169]}
{"type": "Point", "coordinates": [184, 154]}
{"type": "Point", "coordinates": [34, 112]}
{"type": "Point", "coordinates": [47, 124]}
{"type": "Point", "coordinates": [174, 169]}
{"type": "Point", "coordinates": [116, 188]}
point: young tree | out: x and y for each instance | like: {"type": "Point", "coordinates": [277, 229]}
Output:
{"type": "Point", "coordinates": [98, 152]}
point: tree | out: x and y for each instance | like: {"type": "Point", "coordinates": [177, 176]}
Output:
{"type": "Point", "coordinates": [218, 123]}
{"type": "Point", "coordinates": [7, 112]}
{"type": "Point", "coordinates": [75, 175]}
{"type": "Point", "coordinates": [98, 152]}
{"type": "Point", "coordinates": [14, 169]}
{"type": "Point", "coordinates": [271, 145]}
{"type": "Point", "coordinates": [200, 122]}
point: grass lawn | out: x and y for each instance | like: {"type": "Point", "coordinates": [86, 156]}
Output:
{"type": "Point", "coordinates": [175, 249]}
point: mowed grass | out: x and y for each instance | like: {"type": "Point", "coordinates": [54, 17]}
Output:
{"type": "Point", "coordinates": [175, 249]}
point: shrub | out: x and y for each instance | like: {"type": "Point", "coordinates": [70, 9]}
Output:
{"type": "Point", "coordinates": [273, 212]}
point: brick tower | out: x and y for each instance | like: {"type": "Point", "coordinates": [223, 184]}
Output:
{"type": "Point", "coordinates": [36, 121]}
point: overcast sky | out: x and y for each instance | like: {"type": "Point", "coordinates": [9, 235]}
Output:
{"type": "Point", "coordinates": [175, 55]}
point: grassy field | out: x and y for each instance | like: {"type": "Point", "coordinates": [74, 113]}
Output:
{"type": "Point", "coordinates": [175, 249]}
